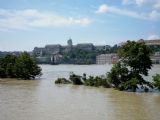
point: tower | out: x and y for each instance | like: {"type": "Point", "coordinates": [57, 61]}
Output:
{"type": "Point", "coordinates": [69, 45]}
{"type": "Point", "coordinates": [69, 42]}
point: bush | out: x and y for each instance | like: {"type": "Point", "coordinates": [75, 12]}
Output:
{"type": "Point", "coordinates": [97, 81]}
{"type": "Point", "coordinates": [156, 80]}
{"type": "Point", "coordinates": [62, 81]}
{"type": "Point", "coordinates": [76, 79]}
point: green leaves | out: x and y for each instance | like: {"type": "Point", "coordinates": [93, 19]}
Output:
{"type": "Point", "coordinates": [156, 80]}
{"type": "Point", "coordinates": [24, 67]}
{"type": "Point", "coordinates": [136, 56]}
{"type": "Point", "coordinates": [75, 79]}
{"type": "Point", "coordinates": [134, 62]}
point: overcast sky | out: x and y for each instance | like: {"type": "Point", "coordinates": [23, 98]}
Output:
{"type": "Point", "coordinates": [25, 24]}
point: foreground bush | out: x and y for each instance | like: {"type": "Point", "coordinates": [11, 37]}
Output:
{"type": "Point", "coordinates": [156, 80]}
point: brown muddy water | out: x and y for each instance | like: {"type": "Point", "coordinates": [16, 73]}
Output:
{"type": "Point", "coordinates": [43, 100]}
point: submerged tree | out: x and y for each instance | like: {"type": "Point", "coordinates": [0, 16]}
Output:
{"type": "Point", "coordinates": [26, 67]}
{"type": "Point", "coordinates": [136, 56]}
{"type": "Point", "coordinates": [23, 66]}
{"type": "Point", "coordinates": [134, 62]}
{"type": "Point", "coordinates": [7, 66]}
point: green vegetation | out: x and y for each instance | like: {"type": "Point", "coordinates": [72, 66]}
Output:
{"type": "Point", "coordinates": [155, 48]}
{"type": "Point", "coordinates": [23, 66]}
{"type": "Point", "coordinates": [83, 80]}
{"type": "Point", "coordinates": [97, 81]}
{"type": "Point", "coordinates": [79, 56]}
{"type": "Point", "coordinates": [127, 74]}
{"type": "Point", "coordinates": [156, 80]}
{"type": "Point", "coordinates": [62, 81]}
{"type": "Point", "coordinates": [134, 62]}
{"type": "Point", "coordinates": [75, 79]}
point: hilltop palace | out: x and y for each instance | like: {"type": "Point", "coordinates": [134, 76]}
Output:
{"type": "Point", "coordinates": [54, 53]}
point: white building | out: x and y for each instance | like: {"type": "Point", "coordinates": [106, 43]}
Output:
{"type": "Point", "coordinates": [107, 58]}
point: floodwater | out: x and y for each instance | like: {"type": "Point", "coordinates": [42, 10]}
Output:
{"type": "Point", "coordinates": [43, 100]}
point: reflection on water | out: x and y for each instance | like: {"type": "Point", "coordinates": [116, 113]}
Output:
{"type": "Point", "coordinates": [43, 100]}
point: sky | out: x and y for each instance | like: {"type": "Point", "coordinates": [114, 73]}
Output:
{"type": "Point", "coordinates": [25, 24]}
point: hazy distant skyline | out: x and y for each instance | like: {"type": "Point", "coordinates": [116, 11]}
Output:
{"type": "Point", "coordinates": [25, 24]}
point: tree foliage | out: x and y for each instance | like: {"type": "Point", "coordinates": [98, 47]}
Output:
{"type": "Point", "coordinates": [136, 56]}
{"type": "Point", "coordinates": [156, 80]}
{"type": "Point", "coordinates": [134, 62]}
{"type": "Point", "coordinates": [23, 66]}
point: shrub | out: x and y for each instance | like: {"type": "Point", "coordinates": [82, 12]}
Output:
{"type": "Point", "coordinates": [156, 80]}
{"type": "Point", "coordinates": [76, 79]}
{"type": "Point", "coordinates": [97, 81]}
{"type": "Point", "coordinates": [62, 81]}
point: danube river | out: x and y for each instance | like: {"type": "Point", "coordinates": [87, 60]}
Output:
{"type": "Point", "coordinates": [43, 100]}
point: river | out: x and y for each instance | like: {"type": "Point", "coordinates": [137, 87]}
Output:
{"type": "Point", "coordinates": [43, 100]}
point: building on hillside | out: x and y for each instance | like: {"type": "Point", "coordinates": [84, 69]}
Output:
{"type": "Point", "coordinates": [39, 51]}
{"type": "Point", "coordinates": [56, 59]}
{"type": "Point", "coordinates": [150, 42]}
{"type": "Point", "coordinates": [53, 49]}
{"type": "Point", "coordinates": [44, 60]}
{"type": "Point", "coordinates": [85, 46]}
{"type": "Point", "coordinates": [107, 59]}
{"type": "Point", "coordinates": [58, 50]}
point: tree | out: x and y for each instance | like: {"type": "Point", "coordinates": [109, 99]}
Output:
{"type": "Point", "coordinates": [26, 67]}
{"type": "Point", "coordinates": [7, 66]}
{"type": "Point", "coordinates": [134, 62]}
{"type": "Point", "coordinates": [118, 75]}
{"type": "Point", "coordinates": [136, 56]}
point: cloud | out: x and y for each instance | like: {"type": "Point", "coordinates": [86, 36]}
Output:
{"type": "Point", "coordinates": [137, 2]}
{"type": "Point", "coordinates": [32, 18]}
{"type": "Point", "coordinates": [126, 2]}
{"type": "Point", "coordinates": [151, 3]}
{"type": "Point", "coordinates": [153, 15]}
{"type": "Point", "coordinates": [152, 37]}
{"type": "Point", "coordinates": [141, 2]}
{"type": "Point", "coordinates": [102, 9]}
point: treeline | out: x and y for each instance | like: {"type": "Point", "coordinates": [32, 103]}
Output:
{"type": "Point", "coordinates": [79, 56]}
{"type": "Point", "coordinates": [23, 66]}
{"type": "Point", "coordinates": [127, 74]}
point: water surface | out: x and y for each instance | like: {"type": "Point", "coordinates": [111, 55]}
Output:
{"type": "Point", "coordinates": [43, 100]}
